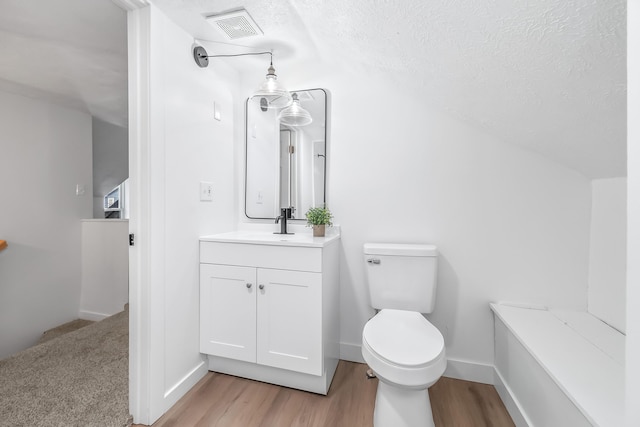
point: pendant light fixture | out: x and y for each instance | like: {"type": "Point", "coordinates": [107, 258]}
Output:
{"type": "Point", "coordinates": [295, 115]}
{"type": "Point", "coordinates": [275, 95]}
{"type": "Point", "coordinates": [270, 93]}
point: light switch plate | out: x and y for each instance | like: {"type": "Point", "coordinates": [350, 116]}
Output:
{"type": "Point", "coordinates": [206, 191]}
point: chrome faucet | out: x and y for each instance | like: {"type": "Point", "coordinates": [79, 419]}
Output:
{"type": "Point", "coordinates": [285, 213]}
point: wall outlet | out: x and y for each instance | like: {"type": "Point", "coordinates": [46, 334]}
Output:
{"type": "Point", "coordinates": [206, 191]}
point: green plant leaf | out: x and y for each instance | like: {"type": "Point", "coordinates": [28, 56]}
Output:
{"type": "Point", "coordinates": [319, 216]}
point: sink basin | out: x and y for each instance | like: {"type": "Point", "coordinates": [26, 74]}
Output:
{"type": "Point", "coordinates": [269, 238]}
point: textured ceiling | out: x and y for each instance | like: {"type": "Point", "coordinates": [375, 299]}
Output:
{"type": "Point", "coordinates": [547, 75]}
{"type": "Point", "coordinates": [72, 52]}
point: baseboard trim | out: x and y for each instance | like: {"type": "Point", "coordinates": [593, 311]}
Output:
{"type": "Point", "coordinates": [510, 402]}
{"type": "Point", "coordinates": [470, 371]}
{"type": "Point", "coordinates": [179, 389]}
{"type": "Point", "coordinates": [91, 315]}
{"type": "Point", "coordinates": [351, 352]}
{"type": "Point", "coordinates": [458, 369]}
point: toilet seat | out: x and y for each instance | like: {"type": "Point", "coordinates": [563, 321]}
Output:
{"type": "Point", "coordinates": [402, 347]}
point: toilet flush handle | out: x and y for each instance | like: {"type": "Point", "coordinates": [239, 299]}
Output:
{"type": "Point", "coordinates": [373, 261]}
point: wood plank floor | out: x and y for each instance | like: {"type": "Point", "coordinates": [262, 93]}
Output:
{"type": "Point", "coordinates": [225, 401]}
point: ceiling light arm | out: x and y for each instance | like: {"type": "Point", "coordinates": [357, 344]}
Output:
{"type": "Point", "coordinates": [270, 93]}
{"type": "Point", "coordinates": [202, 58]}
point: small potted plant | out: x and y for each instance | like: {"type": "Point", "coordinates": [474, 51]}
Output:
{"type": "Point", "coordinates": [319, 218]}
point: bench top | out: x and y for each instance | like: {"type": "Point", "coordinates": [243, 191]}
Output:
{"type": "Point", "coordinates": [583, 355]}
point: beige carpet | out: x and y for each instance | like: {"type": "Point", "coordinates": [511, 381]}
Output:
{"type": "Point", "coordinates": [63, 329]}
{"type": "Point", "coordinates": [78, 379]}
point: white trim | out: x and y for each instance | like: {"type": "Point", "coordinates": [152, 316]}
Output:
{"type": "Point", "coordinates": [180, 388]}
{"type": "Point", "coordinates": [632, 368]}
{"type": "Point", "coordinates": [130, 5]}
{"type": "Point", "coordinates": [351, 352]}
{"type": "Point", "coordinates": [138, 24]}
{"type": "Point", "coordinates": [469, 371]}
{"type": "Point", "coordinates": [458, 369]}
{"type": "Point", "coordinates": [512, 404]}
{"type": "Point", "coordinates": [153, 180]}
{"type": "Point", "coordinates": [93, 316]}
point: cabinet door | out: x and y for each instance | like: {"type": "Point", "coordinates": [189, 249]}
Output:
{"type": "Point", "coordinates": [290, 320]}
{"type": "Point", "coordinates": [228, 311]}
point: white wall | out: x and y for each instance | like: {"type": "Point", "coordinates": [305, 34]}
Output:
{"type": "Point", "coordinates": [178, 147]}
{"type": "Point", "coordinates": [510, 225]}
{"type": "Point", "coordinates": [105, 268]}
{"type": "Point", "coordinates": [304, 172]}
{"type": "Point", "coordinates": [110, 161]}
{"type": "Point", "coordinates": [264, 162]}
{"type": "Point", "coordinates": [633, 214]}
{"type": "Point", "coordinates": [45, 152]}
{"type": "Point", "coordinates": [608, 251]}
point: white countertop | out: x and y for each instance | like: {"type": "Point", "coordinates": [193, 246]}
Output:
{"type": "Point", "coordinates": [269, 238]}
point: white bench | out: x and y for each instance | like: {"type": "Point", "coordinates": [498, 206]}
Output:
{"type": "Point", "coordinates": [558, 367]}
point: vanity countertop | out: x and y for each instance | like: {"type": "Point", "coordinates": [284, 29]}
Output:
{"type": "Point", "coordinates": [269, 238]}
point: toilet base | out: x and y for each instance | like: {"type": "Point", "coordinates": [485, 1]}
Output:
{"type": "Point", "coordinates": [402, 407]}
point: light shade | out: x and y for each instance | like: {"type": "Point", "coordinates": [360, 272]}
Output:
{"type": "Point", "coordinates": [275, 95]}
{"type": "Point", "coordinates": [295, 115]}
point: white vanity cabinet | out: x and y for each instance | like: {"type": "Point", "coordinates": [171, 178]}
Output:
{"type": "Point", "coordinates": [269, 308]}
{"type": "Point", "coordinates": [228, 311]}
{"type": "Point", "coordinates": [271, 317]}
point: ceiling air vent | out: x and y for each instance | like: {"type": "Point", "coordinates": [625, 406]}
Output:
{"type": "Point", "coordinates": [235, 25]}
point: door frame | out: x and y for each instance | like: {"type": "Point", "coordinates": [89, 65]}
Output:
{"type": "Point", "coordinates": [140, 356]}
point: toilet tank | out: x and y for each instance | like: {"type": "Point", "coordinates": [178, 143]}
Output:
{"type": "Point", "coordinates": [401, 276]}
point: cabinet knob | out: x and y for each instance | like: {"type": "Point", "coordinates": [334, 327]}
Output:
{"type": "Point", "coordinates": [249, 285]}
{"type": "Point", "coordinates": [261, 287]}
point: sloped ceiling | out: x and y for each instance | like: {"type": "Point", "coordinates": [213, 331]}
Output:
{"type": "Point", "coordinates": [547, 75]}
{"type": "Point", "coordinates": [71, 52]}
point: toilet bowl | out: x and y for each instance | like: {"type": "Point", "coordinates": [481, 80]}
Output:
{"type": "Point", "coordinates": [407, 354]}
{"type": "Point", "coordinates": [405, 351]}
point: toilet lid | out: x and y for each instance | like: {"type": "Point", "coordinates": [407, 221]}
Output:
{"type": "Point", "coordinates": [403, 338]}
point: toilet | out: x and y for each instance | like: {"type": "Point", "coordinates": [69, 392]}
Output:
{"type": "Point", "coordinates": [403, 349]}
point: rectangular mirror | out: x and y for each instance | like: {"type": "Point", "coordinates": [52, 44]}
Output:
{"type": "Point", "coordinates": [285, 165]}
